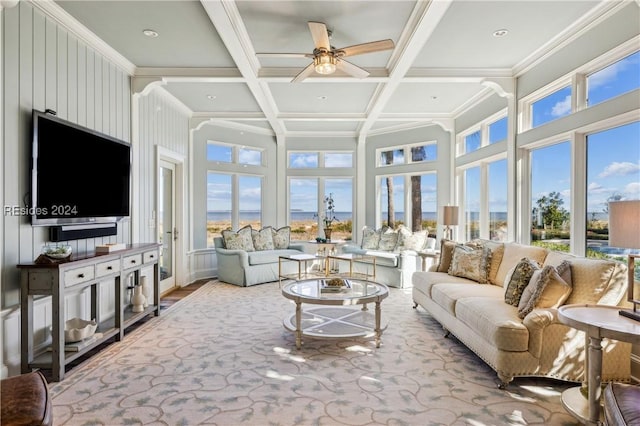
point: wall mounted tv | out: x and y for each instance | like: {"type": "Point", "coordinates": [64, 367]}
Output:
{"type": "Point", "coordinates": [78, 175]}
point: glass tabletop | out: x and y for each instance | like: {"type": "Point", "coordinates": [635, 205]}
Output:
{"type": "Point", "coordinates": [319, 289]}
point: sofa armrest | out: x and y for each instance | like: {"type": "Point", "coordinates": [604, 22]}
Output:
{"type": "Point", "coordinates": [232, 258]}
{"type": "Point", "coordinates": [408, 260]}
{"type": "Point", "coordinates": [299, 247]}
{"type": "Point", "coordinates": [537, 322]}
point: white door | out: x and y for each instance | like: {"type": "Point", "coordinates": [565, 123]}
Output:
{"type": "Point", "coordinates": [167, 231]}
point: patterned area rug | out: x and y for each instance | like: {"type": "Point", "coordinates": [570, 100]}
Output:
{"type": "Point", "coordinates": [221, 356]}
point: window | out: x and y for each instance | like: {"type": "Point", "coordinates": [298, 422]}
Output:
{"type": "Point", "coordinates": [218, 205]}
{"type": "Point", "coordinates": [219, 152]}
{"type": "Point", "coordinates": [303, 207]}
{"type": "Point", "coordinates": [420, 197]}
{"type": "Point", "coordinates": [550, 192]}
{"type": "Point", "coordinates": [391, 157]}
{"type": "Point", "coordinates": [620, 77]}
{"type": "Point", "coordinates": [250, 156]}
{"type": "Point", "coordinates": [392, 200]}
{"type": "Point", "coordinates": [472, 142]}
{"type": "Point", "coordinates": [424, 152]}
{"type": "Point", "coordinates": [551, 107]}
{"type": "Point", "coordinates": [301, 160]}
{"type": "Point", "coordinates": [498, 131]}
{"type": "Point", "coordinates": [472, 191]}
{"type": "Point", "coordinates": [338, 159]}
{"type": "Point", "coordinates": [497, 194]}
{"type": "Point", "coordinates": [613, 173]}
{"type": "Point", "coordinates": [250, 201]}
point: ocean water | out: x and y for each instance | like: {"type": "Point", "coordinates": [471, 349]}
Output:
{"type": "Point", "coordinates": [301, 215]}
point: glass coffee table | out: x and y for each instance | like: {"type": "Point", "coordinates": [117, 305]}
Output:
{"type": "Point", "coordinates": [336, 312]}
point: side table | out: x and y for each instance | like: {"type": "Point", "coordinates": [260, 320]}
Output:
{"type": "Point", "coordinates": [598, 322]}
{"type": "Point", "coordinates": [424, 255]}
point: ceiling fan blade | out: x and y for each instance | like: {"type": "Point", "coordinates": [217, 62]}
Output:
{"type": "Point", "coordinates": [285, 55]}
{"type": "Point", "coordinates": [359, 49]}
{"type": "Point", "coordinates": [320, 35]}
{"type": "Point", "coordinates": [351, 69]}
{"type": "Point", "coordinates": [306, 72]}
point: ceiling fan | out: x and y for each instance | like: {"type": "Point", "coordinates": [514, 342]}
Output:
{"type": "Point", "coordinates": [326, 58]}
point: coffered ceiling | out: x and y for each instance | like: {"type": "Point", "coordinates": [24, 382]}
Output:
{"type": "Point", "coordinates": [445, 50]}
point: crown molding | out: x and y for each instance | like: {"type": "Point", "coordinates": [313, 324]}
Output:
{"type": "Point", "coordinates": [64, 19]}
{"type": "Point", "coordinates": [7, 4]}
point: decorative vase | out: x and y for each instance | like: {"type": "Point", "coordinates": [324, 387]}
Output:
{"type": "Point", "coordinates": [138, 299]}
{"type": "Point", "coordinates": [145, 291]}
{"type": "Point", "coordinates": [327, 233]}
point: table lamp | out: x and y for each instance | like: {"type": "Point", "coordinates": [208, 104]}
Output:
{"type": "Point", "coordinates": [450, 218]}
{"type": "Point", "coordinates": [624, 232]}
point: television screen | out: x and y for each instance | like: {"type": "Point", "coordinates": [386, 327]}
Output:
{"type": "Point", "coordinates": [78, 175]}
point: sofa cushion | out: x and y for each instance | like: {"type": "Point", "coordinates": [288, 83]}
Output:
{"type": "Point", "coordinates": [549, 287]}
{"type": "Point", "coordinates": [592, 278]}
{"type": "Point", "coordinates": [518, 279]}
{"type": "Point", "coordinates": [238, 240]}
{"type": "Point", "coordinates": [446, 254]}
{"type": "Point", "coordinates": [424, 281]}
{"type": "Point", "coordinates": [494, 321]}
{"type": "Point", "coordinates": [513, 253]}
{"type": "Point", "coordinates": [384, 257]}
{"type": "Point", "coordinates": [262, 239]}
{"type": "Point", "coordinates": [281, 237]}
{"type": "Point", "coordinates": [446, 295]}
{"type": "Point", "coordinates": [472, 263]}
{"type": "Point", "coordinates": [370, 238]}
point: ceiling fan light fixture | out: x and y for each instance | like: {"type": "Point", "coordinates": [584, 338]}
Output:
{"type": "Point", "coordinates": [324, 63]}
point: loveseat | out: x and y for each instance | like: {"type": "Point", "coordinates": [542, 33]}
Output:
{"type": "Point", "coordinates": [247, 257]}
{"type": "Point", "coordinates": [395, 252]}
{"type": "Point", "coordinates": [501, 301]}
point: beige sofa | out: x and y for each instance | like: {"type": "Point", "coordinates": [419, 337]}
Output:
{"type": "Point", "coordinates": [537, 344]}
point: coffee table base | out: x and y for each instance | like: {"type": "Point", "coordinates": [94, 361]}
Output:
{"type": "Point", "coordinates": [335, 322]}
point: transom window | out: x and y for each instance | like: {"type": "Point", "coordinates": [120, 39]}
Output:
{"type": "Point", "coordinates": [313, 160]}
{"type": "Point", "coordinates": [492, 130]}
{"type": "Point", "coordinates": [225, 153]}
{"type": "Point", "coordinates": [615, 79]}
{"type": "Point", "coordinates": [408, 154]}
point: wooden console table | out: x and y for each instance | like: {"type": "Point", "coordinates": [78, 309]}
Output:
{"type": "Point", "coordinates": [79, 272]}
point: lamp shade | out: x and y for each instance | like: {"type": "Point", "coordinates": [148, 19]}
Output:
{"type": "Point", "coordinates": [450, 214]}
{"type": "Point", "coordinates": [624, 224]}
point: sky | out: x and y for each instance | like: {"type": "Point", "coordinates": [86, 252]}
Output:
{"type": "Point", "coordinates": [613, 159]}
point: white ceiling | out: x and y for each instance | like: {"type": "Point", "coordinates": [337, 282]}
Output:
{"type": "Point", "coordinates": [444, 50]}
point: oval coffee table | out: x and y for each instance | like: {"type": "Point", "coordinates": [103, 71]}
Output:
{"type": "Point", "coordinates": [335, 314]}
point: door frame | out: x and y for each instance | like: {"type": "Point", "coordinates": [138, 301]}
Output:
{"type": "Point", "coordinates": [178, 160]}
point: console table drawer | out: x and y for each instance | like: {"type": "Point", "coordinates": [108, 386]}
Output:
{"type": "Point", "coordinates": [78, 275]}
{"type": "Point", "coordinates": [150, 256]}
{"type": "Point", "coordinates": [131, 261]}
{"type": "Point", "coordinates": [107, 268]}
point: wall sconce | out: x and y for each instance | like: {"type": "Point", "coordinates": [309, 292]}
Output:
{"type": "Point", "coordinates": [624, 232]}
{"type": "Point", "coordinates": [450, 218]}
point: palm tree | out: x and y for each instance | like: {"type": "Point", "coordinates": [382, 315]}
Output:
{"type": "Point", "coordinates": [391, 213]}
{"type": "Point", "coordinates": [417, 154]}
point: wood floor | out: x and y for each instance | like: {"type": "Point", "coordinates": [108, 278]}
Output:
{"type": "Point", "coordinates": [179, 293]}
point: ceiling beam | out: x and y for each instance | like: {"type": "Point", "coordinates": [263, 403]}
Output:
{"type": "Point", "coordinates": [226, 18]}
{"type": "Point", "coordinates": [424, 19]}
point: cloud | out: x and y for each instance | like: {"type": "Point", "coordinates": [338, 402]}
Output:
{"type": "Point", "coordinates": [596, 188]}
{"type": "Point", "coordinates": [562, 108]}
{"type": "Point", "coordinates": [610, 74]}
{"type": "Point", "coordinates": [632, 190]}
{"type": "Point", "coordinates": [301, 160]}
{"type": "Point", "coordinates": [620, 169]}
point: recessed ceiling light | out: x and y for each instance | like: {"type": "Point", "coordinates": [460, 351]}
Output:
{"type": "Point", "coordinates": [322, 98]}
{"type": "Point", "coordinates": [211, 97]}
{"type": "Point", "coordinates": [150, 33]}
{"type": "Point", "coordinates": [433, 98]}
{"type": "Point", "coordinates": [500, 33]}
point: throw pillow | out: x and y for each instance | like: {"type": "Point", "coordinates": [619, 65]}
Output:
{"type": "Point", "coordinates": [262, 239]}
{"type": "Point", "coordinates": [470, 263]}
{"type": "Point", "coordinates": [497, 252]}
{"type": "Point", "coordinates": [370, 238]}
{"type": "Point", "coordinates": [446, 253]}
{"type": "Point", "coordinates": [414, 240]}
{"type": "Point", "coordinates": [388, 239]}
{"type": "Point", "coordinates": [549, 288]}
{"type": "Point", "coordinates": [240, 240]}
{"type": "Point", "coordinates": [281, 237]}
{"type": "Point", "coordinates": [518, 280]}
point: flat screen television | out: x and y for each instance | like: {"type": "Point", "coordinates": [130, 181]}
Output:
{"type": "Point", "coordinates": [78, 175]}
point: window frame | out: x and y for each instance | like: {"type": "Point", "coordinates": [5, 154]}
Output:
{"type": "Point", "coordinates": [407, 153]}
